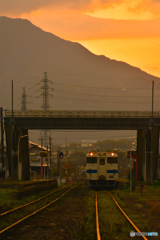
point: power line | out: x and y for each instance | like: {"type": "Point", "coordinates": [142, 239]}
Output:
{"type": "Point", "coordinates": [103, 95]}
{"type": "Point", "coordinates": [103, 87]}
{"type": "Point", "coordinates": [100, 101]}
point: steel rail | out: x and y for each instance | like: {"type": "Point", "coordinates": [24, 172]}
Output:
{"type": "Point", "coordinates": [22, 206]}
{"type": "Point", "coordinates": [127, 217]}
{"type": "Point", "coordinates": [40, 209]}
{"type": "Point", "coordinates": [97, 220]}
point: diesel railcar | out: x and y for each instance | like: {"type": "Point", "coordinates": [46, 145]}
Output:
{"type": "Point", "coordinates": [102, 169]}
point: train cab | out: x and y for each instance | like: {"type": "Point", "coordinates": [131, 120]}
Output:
{"type": "Point", "coordinates": [102, 168]}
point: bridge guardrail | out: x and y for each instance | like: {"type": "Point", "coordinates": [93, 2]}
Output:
{"type": "Point", "coordinates": [82, 114]}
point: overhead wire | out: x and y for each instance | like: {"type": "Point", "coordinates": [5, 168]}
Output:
{"type": "Point", "coordinates": [100, 101]}
{"type": "Point", "coordinates": [32, 88]}
{"type": "Point", "coordinates": [102, 87]}
{"type": "Point", "coordinates": [101, 95]}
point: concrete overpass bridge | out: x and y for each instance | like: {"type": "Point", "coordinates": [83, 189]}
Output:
{"type": "Point", "coordinates": [17, 124]}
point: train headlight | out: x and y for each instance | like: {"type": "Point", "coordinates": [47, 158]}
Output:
{"type": "Point", "coordinates": [91, 154]}
{"type": "Point", "coordinates": [112, 154]}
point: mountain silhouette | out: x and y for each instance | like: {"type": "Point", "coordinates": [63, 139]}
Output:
{"type": "Point", "coordinates": [81, 80]}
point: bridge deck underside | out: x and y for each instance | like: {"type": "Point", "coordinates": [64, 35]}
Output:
{"type": "Point", "coordinates": [147, 163]}
{"type": "Point", "coordinates": [83, 123]}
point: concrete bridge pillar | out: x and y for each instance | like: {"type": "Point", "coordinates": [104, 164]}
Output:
{"type": "Point", "coordinates": [23, 156]}
{"type": "Point", "coordinates": [155, 149]}
{"type": "Point", "coordinates": [12, 136]}
{"type": "Point", "coordinates": [17, 153]}
{"type": "Point", "coordinates": [149, 165]}
{"type": "Point", "coordinates": [147, 154]}
{"type": "Point", "coordinates": [141, 156]}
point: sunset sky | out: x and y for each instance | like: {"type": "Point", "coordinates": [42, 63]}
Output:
{"type": "Point", "coordinates": [125, 30]}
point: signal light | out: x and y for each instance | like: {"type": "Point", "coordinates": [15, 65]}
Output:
{"type": "Point", "coordinates": [61, 155]}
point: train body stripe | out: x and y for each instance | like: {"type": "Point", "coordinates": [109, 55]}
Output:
{"type": "Point", "coordinates": [112, 171]}
{"type": "Point", "coordinates": [91, 171]}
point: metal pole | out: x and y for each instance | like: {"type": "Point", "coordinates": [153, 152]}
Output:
{"type": "Point", "coordinates": [50, 147]}
{"type": "Point", "coordinates": [42, 166]}
{"type": "Point", "coordinates": [42, 159]}
{"type": "Point", "coordinates": [130, 172]}
{"type": "Point", "coordinates": [59, 166]}
{"type": "Point", "coordinates": [19, 158]}
{"type": "Point", "coordinates": [152, 123]}
{"type": "Point", "coordinates": [12, 100]}
{"type": "Point", "coordinates": [47, 161]}
{"type": "Point", "coordinates": [152, 100]}
{"type": "Point", "coordinates": [76, 169]}
{"type": "Point", "coordinates": [12, 127]}
{"type": "Point", "coordinates": [44, 176]}
{"type": "Point", "coordinates": [136, 170]}
{"type": "Point", "coordinates": [2, 142]}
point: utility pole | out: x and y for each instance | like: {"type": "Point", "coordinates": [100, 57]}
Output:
{"type": "Point", "coordinates": [41, 159]}
{"type": "Point", "coordinates": [50, 163]}
{"type": "Point", "coordinates": [152, 125]}
{"type": "Point", "coordinates": [12, 101]}
{"type": "Point", "coordinates": [152, 100]}
{"type": "Point", "coordinates": [59, 165]}
{"type": "Point", "coordinates": [2, 142]}
{"type": "Point", "coordinates": [12, 128]}
{"type": "Point", "coordinates": [130, 172]}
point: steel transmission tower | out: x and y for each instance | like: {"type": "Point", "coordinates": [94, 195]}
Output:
{"type": "Point", "coordinates": [23, 102]}
{"type": "Point", "coordinates": [46, 89]}
{"type": "Point", "coordinates": [46, 94]}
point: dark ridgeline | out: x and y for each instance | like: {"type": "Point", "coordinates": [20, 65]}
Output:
{"type": "Point", "coordinates": [27, 52]}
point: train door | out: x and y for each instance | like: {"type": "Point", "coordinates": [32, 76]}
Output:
{"type": "Point", "coordinates": [102, 168]}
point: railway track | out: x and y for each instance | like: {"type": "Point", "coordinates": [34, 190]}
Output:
{"type": "Point", "coordinates": [13, 217]}
{"type": "Point", "coordinates": [98, 219]}
{"type": "Point", "coordinates": [75, 211]}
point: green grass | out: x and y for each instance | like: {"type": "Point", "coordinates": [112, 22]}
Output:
{"type": "Point", "coordinates": [88, 224]}
{"type": "Point", "coordinates": [143, 209]}
{"type": "Point", "coordinates": [113, 225]}
{"type": "Point", "coordinates": [6, 199]}
{"type": "Point", "coordinates": [5, 195]}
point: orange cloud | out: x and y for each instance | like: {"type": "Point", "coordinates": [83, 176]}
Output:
{"type": "Point", "coordinates": [83, 6]}
{"type": "Point", "coordinates": [115, 9]}
{"type": "Point", "coordinates": [67, 19]}
{"type": "Point", "coordinates": [135, 9]}
{"type": "Point", "coordinates": [81, 27]}
{"type": "Point", "coordinates": [152, 6]}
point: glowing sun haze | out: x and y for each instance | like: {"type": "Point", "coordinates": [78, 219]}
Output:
{"type": "Point", "coordinates": [125, 30]}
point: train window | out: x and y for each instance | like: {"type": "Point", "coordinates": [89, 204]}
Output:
{"type": "Point", "coordinates": [112, 160]}
{"type": "Point", "coordinates": [101, 161]}
{"type": "Point", "coordinates": [91, 160]}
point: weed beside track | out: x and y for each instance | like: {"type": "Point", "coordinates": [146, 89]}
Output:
{"type": "Point", "coordinates": [73, 216]}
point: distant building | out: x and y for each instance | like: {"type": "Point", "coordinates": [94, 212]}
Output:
{"type": "Point", "coordinates": [88, 142]}
{"type": "Point", "coordinates": [40, 166]}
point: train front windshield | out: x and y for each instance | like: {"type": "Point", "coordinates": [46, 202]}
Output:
{"type": "Point", "coordinates": [112, 160]}
{"type": "Point", "coordinates": [91, 160]}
